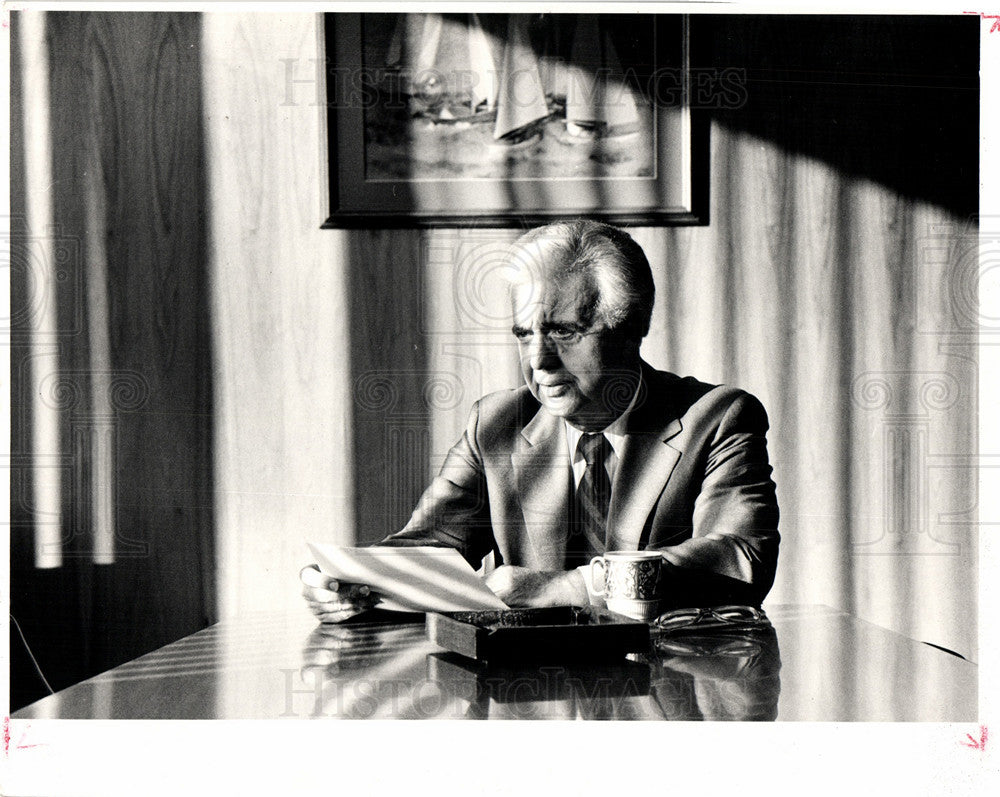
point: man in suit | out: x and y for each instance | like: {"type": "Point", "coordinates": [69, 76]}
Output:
{"type": "Point", "coordinates": [597, 451]}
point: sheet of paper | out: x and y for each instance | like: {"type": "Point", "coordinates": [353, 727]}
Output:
{"type": "Point", "coordinates": [423, 579]}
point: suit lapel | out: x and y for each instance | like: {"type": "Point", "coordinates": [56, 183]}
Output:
{"type": "Point", "coordinates": [543, 478]}
{"type": "Point", "coordinates": [646, 465]}
{"type": "Point", "coordinates": [542, 475]}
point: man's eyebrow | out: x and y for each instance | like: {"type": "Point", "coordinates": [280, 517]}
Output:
{"type": "Point", "coordinates": [576, 326]}
{"type": "Point", "coordinates": [547, 326]}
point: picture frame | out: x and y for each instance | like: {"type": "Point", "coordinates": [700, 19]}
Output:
{"type": "Point", "coordinates": [512, 120]}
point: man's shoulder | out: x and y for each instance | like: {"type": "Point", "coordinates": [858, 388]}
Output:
{"type": "Point", "coordinates": [507, 407]}
{"type": "Point", "coordinates": [683, 388]}
{"type": "Point", "coordinates": [500, 418]}
{"type": "Point", "coordinates": [691, 397]}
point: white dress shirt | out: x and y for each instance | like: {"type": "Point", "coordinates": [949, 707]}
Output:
{"type": "Point", "coordinates": [615, 433]}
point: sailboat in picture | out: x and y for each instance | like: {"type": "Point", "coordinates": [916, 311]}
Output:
{"type": "Point", "coordinates": [521, 106]}
{"type": "Point", "coordinates": [445, 68]}
{"type": "Point", "coordinates": [450, 81]}
{"type": "Point", "coordinates": [599, 102]}
{"type": "Point", "coordinates": [532, 95]}
{"type": "Point", "coordinates": [482, 70]}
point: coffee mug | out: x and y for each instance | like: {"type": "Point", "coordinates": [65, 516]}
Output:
{"type": "Point", "coordinates": [628, 582]}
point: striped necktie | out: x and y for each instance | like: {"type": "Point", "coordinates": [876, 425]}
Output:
{"type": "Point", "coordinates": [589, 518]}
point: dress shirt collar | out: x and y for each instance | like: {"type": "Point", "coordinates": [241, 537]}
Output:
{"type": "Point", "coordinates": [615, 431]}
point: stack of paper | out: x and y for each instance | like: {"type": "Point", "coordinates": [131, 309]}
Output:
{"type": "Point", "coordinates": [422, 579]}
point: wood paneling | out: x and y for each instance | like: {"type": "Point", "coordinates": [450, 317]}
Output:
{"type": "Point", "coordinates": [283, 318]}
{"type": "Point", "coordinates": [127, 159]}
{"type": "Point", "coordinates": [389, 367]}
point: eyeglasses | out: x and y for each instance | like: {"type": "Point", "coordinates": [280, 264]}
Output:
{"type": "Point", "coordinates": [559, 336]}
{"type": "Point", "coordinates": [714, 617]}
{"type": "Point", "coordinates": [716, 645]}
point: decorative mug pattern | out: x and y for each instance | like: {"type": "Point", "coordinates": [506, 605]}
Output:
{"type": "Point", "coordinates": [626, 576]}
{"type": "Point", "coordinates": [635, 580]}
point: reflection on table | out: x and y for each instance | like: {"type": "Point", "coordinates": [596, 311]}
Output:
{"type": "Point", "coordinates": [815, 664]}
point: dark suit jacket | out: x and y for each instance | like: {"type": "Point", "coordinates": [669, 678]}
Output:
{"type": "Point", "coordinates": [693, 481]}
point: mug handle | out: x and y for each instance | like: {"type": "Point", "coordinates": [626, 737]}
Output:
{"type": "Point", "coordinates": [597, 560]}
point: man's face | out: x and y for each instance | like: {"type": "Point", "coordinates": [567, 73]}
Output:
{"type": "Point", "coordinates": [571, 362]}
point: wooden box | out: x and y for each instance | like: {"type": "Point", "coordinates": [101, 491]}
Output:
{"type": "Point", "coordinates": [557, 634]}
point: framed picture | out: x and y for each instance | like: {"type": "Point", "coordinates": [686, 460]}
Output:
{"type": "Point", "coordinates": [512, 119]}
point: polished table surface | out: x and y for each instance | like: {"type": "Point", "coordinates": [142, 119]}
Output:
{"type": "Point", "coordinates": [817, 664]}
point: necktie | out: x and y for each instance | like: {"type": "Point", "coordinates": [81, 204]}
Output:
{"type": "Point", "coordinates": [589, 518]}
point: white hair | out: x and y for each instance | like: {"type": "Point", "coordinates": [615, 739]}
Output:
{"type": "Point", "coordinates": [608, 258]}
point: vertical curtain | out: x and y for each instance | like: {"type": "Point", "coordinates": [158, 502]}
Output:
{"type": "Point", "coordinates": [846, 309]}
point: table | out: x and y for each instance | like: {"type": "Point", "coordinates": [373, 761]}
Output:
{"type": "Point", "coordinates": [816, 664]}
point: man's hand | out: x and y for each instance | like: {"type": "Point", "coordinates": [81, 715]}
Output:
{"type": "Point", "coordinates": [333, 601]}
{"type": "Point", "coordinates": [519, 586]}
